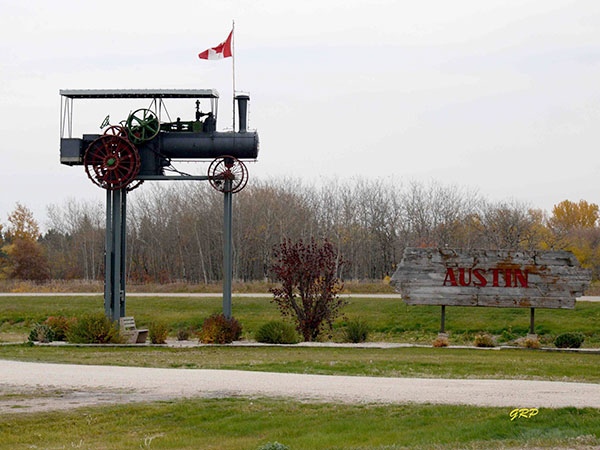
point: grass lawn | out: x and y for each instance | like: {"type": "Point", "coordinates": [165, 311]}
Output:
{"type": "Point", "coordinates": [236, 423]}
{"type": "Point", "coordinates": [399, 362]}
{"type": "Point", "coordinates": [389, 319]}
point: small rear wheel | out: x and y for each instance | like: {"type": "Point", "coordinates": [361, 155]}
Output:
{"type": "Point", "coordinates": [228, 168]}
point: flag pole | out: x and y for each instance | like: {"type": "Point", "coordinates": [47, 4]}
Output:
{"type": "Point", "coordinates": [233, 69]}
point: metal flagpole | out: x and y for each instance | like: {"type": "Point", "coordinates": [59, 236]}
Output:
{"type": "Point", "coordinates": [233, 69]}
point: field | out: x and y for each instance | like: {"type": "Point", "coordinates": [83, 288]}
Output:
{"type": "Point", "coordinates": [246, 424]}
{"type": "Point", "coordinates": [390, 319]}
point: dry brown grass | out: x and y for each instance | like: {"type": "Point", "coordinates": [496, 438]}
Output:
{"type": "Point", "coordinates": [239, 287]}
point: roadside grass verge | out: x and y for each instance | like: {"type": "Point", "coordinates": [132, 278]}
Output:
{"type": "Point", "coordinates": [397, 362]}
{"type": "Point", "coordinates": [389, 319]}
{"type": "Point", "coordinates": [235, 423]}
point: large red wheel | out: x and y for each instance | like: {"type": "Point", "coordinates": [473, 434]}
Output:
{"type": "Point", "coordinates": [228, 168]}
{"type": "Point", "coordinates": [111, 162]}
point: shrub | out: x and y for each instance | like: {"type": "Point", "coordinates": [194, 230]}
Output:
{"type": "Point", "coordinates": [356, 331]}
{"type": "Point", "coordinates": [217, 329]}
{"type": "Point", "coordinates": [157, 332]}
{"type": "Point", "coordinates": [507, 336]}
{"type": "Point", "coordinates": [59, 325]}
{"type": "Point", "coordinates": [569, 340]}
{"type": "Point", "coordinates": [41, 333]}
{"type": "Point", "coordinates": [183, 334]}
{"type": "Point", "coordinates": [484, 340]}
{"type": "Point", "coordinates": [530, 343]}
{"type": "Point", "coordinates": [309, 285]}
{"type": "Point", "coordinates": [277, 333]}
{"type": "Point", "coordinates": [93, 329]}
{"type": "Point", "coordinates": [440, 342]}
{"type": "Point", "coordinates": [273, 446]}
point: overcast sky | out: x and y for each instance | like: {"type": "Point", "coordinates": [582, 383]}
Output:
{"type": "Point", "coordinates": [500, 96]}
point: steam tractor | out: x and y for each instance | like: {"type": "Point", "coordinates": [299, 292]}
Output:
{"type": "Point", "coordinates": [144, 147]}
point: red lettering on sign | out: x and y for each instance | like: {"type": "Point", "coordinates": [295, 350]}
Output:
{"type": "Point", "coordinates": [461, 277]}
{"type": "Point", "coordinates": [481, 281]}
{"type": "Point", "coordinates": [450, 277]}
{"type": "Point", "coordinates": [477, 277]}
{"type": "Point", "coordinates": [495, 281]}
{"type": "Point", "coordinates": [520, 278]}
{"type": "Point", "coordinates": [507, 275]}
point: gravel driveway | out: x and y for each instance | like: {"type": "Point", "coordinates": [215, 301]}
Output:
{"type": "Point", "coordinates": [78, 385]}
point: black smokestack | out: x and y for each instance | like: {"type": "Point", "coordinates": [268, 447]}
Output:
{"type": "Point", "coordinates": [242, 100]}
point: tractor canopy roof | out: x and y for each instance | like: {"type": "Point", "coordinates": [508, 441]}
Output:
{"type": "Point", "coordinates": [139, 93]}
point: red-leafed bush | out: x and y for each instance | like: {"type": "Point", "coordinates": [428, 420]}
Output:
{"type": "Point", "coordinates": [309, 285]}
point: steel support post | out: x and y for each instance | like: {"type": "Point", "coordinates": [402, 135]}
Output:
{"type": "Point", "coordinates": [227, 249]}
{"type": "Point", "coordinates": [116, 286]}
{"type": "Point", "coordinates": [115, 252]}
{"type": "Point", "coordinates": [108, 255]}
{"type": "Point", "coordinates": [532, 321]}
{"type": "Point", "coordinates": [123, 251]}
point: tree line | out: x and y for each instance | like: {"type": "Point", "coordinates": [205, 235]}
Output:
{"type": "Point", "coordinates": [174, 231]}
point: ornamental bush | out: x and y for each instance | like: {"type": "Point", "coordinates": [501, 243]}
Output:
{"type": "Point", "coordinates": [356, 331]}
{"type": "Point", "coordinates": [41, 333]}
{"type": "Point", "coordinates": [217, 329]}
{"type": "Point", "coordinates": [183, 334]}
{"type": "Point", "coordinates": [569, 340]}
{"type": "Point", "coordinates": [60, 326]}
{"type": "Point", "coordinates": [157, 332]}
{"type": "Point", "coordinates": [309, 285]}
{"type": "Point", "coordinates": [484, 340]}
{"type": "Point", "coordinates": [277, 333]}
{"type": "Point", "coordinates": [440, 342]}
{"type": "Point", "coordinates": [530, 342]}
{"type": "Point", "coordinates": [94, 329]}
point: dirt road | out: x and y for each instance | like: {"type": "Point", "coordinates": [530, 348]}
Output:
{"type": "Point", "coordinates": [58, 386]}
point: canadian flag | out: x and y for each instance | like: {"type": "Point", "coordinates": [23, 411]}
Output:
{"type": "Point", "coordinates": [223, 50]}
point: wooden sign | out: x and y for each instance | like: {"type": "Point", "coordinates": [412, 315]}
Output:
{"type": "Point", "coordinates": [503, 278]}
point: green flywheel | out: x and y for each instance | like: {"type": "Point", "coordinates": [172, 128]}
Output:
{"type": "Point", "coordinates": [142, 125]}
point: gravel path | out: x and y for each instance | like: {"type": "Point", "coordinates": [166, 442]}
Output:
{"type": "Point", "coordinates": [88, 385]}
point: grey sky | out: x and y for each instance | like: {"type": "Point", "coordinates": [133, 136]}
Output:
{"type": "Point", "coordinates": [502, 96]}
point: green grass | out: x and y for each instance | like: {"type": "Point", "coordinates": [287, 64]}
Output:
{"type": "Point", "coordinates": [399, 362]}
{"type": "Point", "coordinates": [248, 423]}
{"type": "Point", "coordinates": [389, 319]}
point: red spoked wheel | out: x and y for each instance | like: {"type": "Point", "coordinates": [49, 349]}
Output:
{"type": "Point", "coordinates": [116, 130]}
{"type": "Point", "coordinates": [227, 168]}
{"type": "Point", "coordinates": [111, 162]}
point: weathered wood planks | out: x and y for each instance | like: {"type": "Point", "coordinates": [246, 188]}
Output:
{"type": "Point", "coordinates": [501, 278]}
